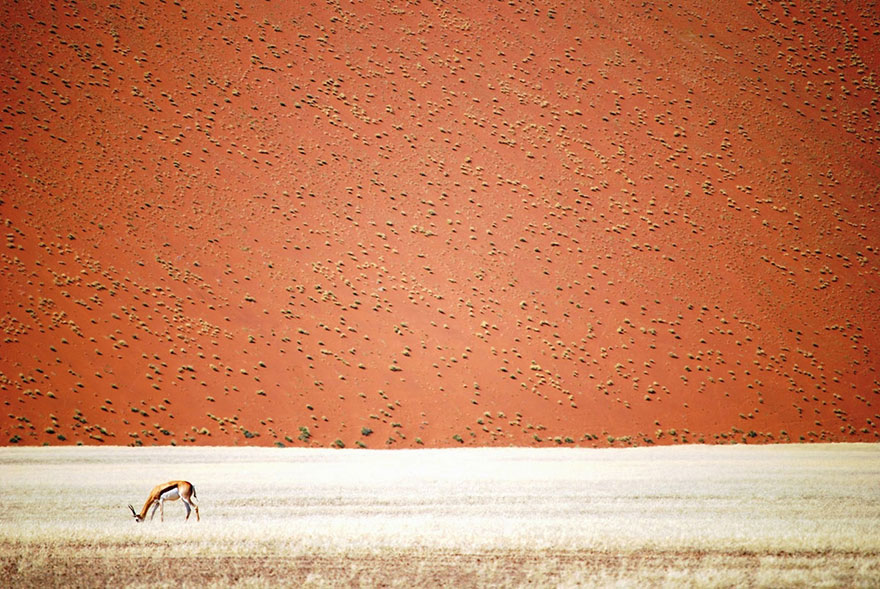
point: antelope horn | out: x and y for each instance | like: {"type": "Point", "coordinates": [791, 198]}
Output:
{"type": "Point", "coordinates": [133, 512]}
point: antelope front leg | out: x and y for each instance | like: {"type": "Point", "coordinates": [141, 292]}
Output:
{"type": "Point", "coordinates": [155, 507]}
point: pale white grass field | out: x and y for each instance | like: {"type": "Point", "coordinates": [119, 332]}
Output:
{"type": "Point", "coordinates": [766, 502]}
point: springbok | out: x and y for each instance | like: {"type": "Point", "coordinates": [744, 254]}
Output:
{"type": "Point", "coordinates": [170, 491]}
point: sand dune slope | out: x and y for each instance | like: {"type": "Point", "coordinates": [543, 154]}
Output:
{"type": "Point", "coordinates": [434, 224]}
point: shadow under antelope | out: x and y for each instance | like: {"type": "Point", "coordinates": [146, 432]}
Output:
{"type": "Point", "coordinates": [170, 491]}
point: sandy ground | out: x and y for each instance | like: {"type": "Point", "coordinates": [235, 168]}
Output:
{"type": "Point", "coordinates": [438, 224]}
{"type": "Point", "coordinates": [678, 516]}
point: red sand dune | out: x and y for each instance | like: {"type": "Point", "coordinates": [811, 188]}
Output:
{"type": "Point", "coordinates": [414, 223]}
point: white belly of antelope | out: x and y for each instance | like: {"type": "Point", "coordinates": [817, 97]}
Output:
{"type": "Point", "coordinates": [170, 494]}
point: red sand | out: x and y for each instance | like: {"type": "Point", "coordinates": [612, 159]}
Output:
{"type": "Point", "coordinates": [403, 224]}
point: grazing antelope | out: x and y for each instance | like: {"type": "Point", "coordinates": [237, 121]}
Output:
{"type": "Point", "coordinates": [170, 491]}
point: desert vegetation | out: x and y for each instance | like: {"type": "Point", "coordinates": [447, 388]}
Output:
{"type": "Point", "coordinates": [795, 515]}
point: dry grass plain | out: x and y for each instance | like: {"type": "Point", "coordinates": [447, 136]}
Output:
{"type": "Point", "coordinates": [668, 516]}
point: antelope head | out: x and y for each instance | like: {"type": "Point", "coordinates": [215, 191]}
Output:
{"type": "Point", "coordinates": [137, 516]}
